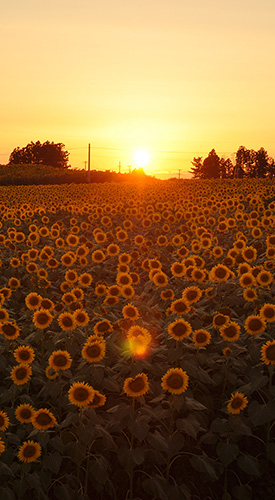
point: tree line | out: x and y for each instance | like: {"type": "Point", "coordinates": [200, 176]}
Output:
{"type": "Point", "coordinates": [248, 163]}
{"type": "Point", "coordinates": [37, 153]}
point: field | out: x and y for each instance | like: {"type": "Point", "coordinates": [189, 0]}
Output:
{"type": "Point", "coordinates": [137, 341]}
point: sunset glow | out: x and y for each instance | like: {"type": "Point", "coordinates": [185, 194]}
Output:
{"type": "Point", "coordinates": [178, 77]}
{"type": "Point", "coordinates": [141, 158]}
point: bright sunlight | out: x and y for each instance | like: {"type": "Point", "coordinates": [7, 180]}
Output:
{"type": "Point", "coordinates": [141, 158]}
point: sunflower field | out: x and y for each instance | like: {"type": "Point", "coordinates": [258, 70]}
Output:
{"type": "Point", "coordinates": [137, 341]}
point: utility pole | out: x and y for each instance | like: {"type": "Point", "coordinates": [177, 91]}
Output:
{"type": "Point", "coordinates": [119, 167]}
{"type": "Point", "coordinates": [85, 163]}
{"type": "Point", "coordinates": [89, 162]}
{"type": "Point", "coordinates": [179, 173]}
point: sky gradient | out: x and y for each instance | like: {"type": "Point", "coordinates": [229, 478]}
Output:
{"type": "Point", "coordinates": [175, 78]}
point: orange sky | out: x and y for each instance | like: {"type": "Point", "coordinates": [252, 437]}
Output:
{"type": "Point", "coordinates": [157, 75]}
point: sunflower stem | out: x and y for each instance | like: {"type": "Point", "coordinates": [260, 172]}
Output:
{"type": "Point", "coordinates": [131, 485]}
{"type": "Point", "coordinates": [225, 484]}
{"type": "Point", "coordinates": [271, 370]}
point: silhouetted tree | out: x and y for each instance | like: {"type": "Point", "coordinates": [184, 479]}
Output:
{"type": "Point", "coordinates": [262, 161]}
{"type": "Point", "coordinates": [252, 163]}
{"type": "Point", "coordinates": [196, 170]}
{"type": "Point", "coordinates": [226, 168]}
{"type": "Point", "coordinates": [48, 153]}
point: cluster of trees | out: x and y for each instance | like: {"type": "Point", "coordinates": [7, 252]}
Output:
{"type": "Point", "coordinates": [35, 153]}
{"type": "Point", "coordinates": [248, 163]}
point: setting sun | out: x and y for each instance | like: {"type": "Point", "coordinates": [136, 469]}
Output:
{"type": "Point", "coordinates": [141, 158]}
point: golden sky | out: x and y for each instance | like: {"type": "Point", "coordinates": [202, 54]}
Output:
{"type": "Point", "coordinates": [175, 78]}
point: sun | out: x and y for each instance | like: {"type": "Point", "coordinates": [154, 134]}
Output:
{"type": "Point", "coordinates": [141, 158]}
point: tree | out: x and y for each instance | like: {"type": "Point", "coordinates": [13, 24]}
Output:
{"type": "Point", "coordinates": [252, 163]}
{"type": "Point", "coordinates": [211, 166]}
{"type": "Point", "coordinates": [48, 153]}
{"type": "Point", "coordinates": [196, 170]}
{"type": "Point", "coordinates": [226, 168]}
{"type": "Point", "coordinates": [262, 163]}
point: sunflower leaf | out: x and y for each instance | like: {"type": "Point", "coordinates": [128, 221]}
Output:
{"type": "Point", "coordinates": [227, 452]}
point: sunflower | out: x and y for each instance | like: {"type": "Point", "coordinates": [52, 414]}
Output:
{"type": "Point", "coordinates": [47, 304]}
{"type": "Point", "coordinates": [180, 306]}
{"type": "Point", "coordinates": [227, 351]}
{"type": "Point", "coordinates": [130, 311]}
{"type": "Point", "coordinates": [137, 386]}
{"type": "Point", "coordinates": [217, 252]}
{"type": "Point", "coordinates": [4, 421]}
{"type": "Point", "coordinates": [127, 291]}
{"type": "Point", "coordinates": [29, 451]}
{"type": "Point", "coordinates": [179, 329]}
{"type": "Point", "coordinates": [60, 360]}
{"type": "Point", "coordinates": [237, 403]}
{"type": "Point", "coordinates": [99, 400]}
{"type": "Point", "coordinates": [247, 280]}
{"type": "Point", "coordinates": [102, 327]}
{"type": "Point", "coordinates": [66, 321]}
{"type": "Point", "coordinates": [178, 269]}
{"type": "Point", "coordinates": [43, 419]}
{"type": "Point", "coordinates": [98, 256]}
{"type": "Point", "coordinates": [72, 240]}
{"type": "Point", "coordinates": [110, 300]}
{"type": "Point", "coordinates": [219, 273]}
{"type": "Point", "coordinates": [94, 350]}
{"type": "Point", "coordinates": [220, 320]}
{"type": "Point", "coordinates": [201, 337]}
{"type": "Point", "coordinates": [113, 250]}
{"type": "Point", "coordinates": [80, 394]}
{"type": "Point", "coordinates": [267, 312]}
{"type": "Point", "coordinates": [15, 262]}
{"type": "Point", "coordinates": [191, 294]}
{"type": "Point", "coordinates": [114, 291]}
{"type": "Point", "coordinates": [24, 413]}
{"type": "Point", "coordinates": [5, 292]}
{"type": "Point", "coordinates": [85, 279]}
{"type": "Point", "coordinates": [167, 294]}
{"type": "Point", "coordinates": [138, 339]}
{"type": "Point", "coordinates": [31, 267]}
{"type": "Point", "coordinates": [254, 324]}
{"type": "Point", "coordinates": [198, 275]}
{"type": "Point", "coordinates": [4, 315]}
{"type": "Point", "coordinates": [50, 373]}
{"type": "Point", "coordinates": [33, 254]}
{"type": "Point", "coordinates": [81, 317]}
{"type": "Point", "coordinates": [136, 331]}
{"type": "Point", "coordinates": [123, 279]}
{"type": "Point", "coordinates": [162, 240]}
{"type": "Point", "coordinates": [10, 330]}
{"type": "Point", "coordinates": [124, 258]}
{"type": "Point", "coordinates": [175, 380]}
{"type": "Point", "coordinates": [42, 318]}
{"type": "Point", "coordinates": [68, 298]}
{"type": "Point", "coordinates": [268, 352]}
{"type": "Point", "coordinates": [100, 290]}
{"type": "Point", "coordinates": [64, 286]}
{"type": "Point", "coordinates": [249, 254]}
{"type": "Point", "coordinates": [264, 278]}
{"type": "Point", "coordinates": [24, 354]}
{"type": "Point", "coordinates": [231, 331]}
{"type": "Point", "coordinates": [68, 258]}
{"type": "Point", "coordinates": [21, 374]}
{"type": "Point", "coordinates": [100, 237]}
{"type": "Point", "coordinates": [71, 276]}
{"type": "Point", "coordinates": [2, 446]}
{"type": "Point", "coordinates": [250, 294]}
